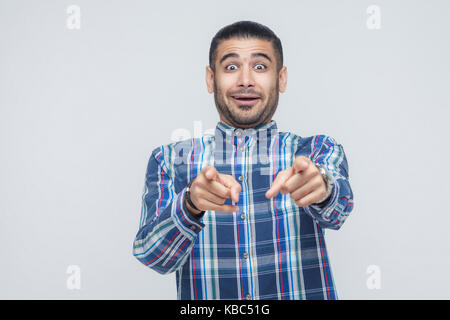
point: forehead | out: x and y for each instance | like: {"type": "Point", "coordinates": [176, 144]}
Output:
{"type": "Point", "coordinates": [244, 47]}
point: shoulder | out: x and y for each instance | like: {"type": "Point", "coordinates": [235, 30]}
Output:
{"type": "Point", "coordinates": [311, 145]}
{"type": "Point", "coordinates": [322, 141]}
{"type": "Point", "coordinates": [170, 154]}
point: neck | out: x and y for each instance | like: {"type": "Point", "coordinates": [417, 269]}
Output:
{"type": "Point", "coordinates": [242, 126]}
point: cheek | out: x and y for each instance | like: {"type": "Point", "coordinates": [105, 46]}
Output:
{"type": "Point", "coordinates": [225, 81]}
{"type": "Point", "coordinates": [224, 87]}
{"type": "Point", "coordinates": [267, 85]}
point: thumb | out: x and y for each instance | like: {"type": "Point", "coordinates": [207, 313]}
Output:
{"type": "Point", "coordinates": [211, 174]}
{"type": "Point", "coordinates": [301, 163]}
{"type": "Point", "coordinates": [280, 179]}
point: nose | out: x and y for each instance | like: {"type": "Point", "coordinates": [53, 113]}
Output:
{"type": "Point", "coordinates": [246, 78]}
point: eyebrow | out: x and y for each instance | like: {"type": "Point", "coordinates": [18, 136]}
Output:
{"type": "Point", "coordinates": [235, 55]}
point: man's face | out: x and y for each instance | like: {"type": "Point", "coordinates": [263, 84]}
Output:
{"type": "Point", "coordinates": [246, 83]}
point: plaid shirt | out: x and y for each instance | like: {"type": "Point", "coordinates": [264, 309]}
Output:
{"type": "Point", "coordinates": [268, 248]}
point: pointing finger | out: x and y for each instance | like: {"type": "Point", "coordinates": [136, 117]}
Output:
{"type": "Point", "coordinates": [232, 184]}
{"type": "Point", "coordinates": [277, 184]}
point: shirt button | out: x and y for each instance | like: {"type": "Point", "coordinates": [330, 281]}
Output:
{"type": "Point", "coordinates": [238, 132]}
{"type": "Point", "coordinates": [242, 149]}
{"type": "Point", "coordinates": [245, 255]}
{"type": "Point", "coordinates": [193, 227]}
{"type": "Point", "coordinates": [241, 178]}
{"type": "Point", "coordinates": [249, 296]}
{"type": "Point", "coordinates": [243, 216]}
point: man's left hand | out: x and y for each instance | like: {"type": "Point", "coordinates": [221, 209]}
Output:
{"type": "Point", "coordinates": [303, 181]}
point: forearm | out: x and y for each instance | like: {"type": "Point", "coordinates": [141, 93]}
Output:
{"type": "Point", "coordinates": [167, 231]}
{"type": "Point", "coordinates": [332, 212]}
{"type": "Point", "coordinates": [164, 242]}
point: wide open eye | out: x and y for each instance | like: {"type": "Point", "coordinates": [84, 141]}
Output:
{"type": "Point", "coordinates": [231, 65]}
{"type": "Point", "coordinates": [260, 64]}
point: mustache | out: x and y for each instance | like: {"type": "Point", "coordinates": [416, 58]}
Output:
{"type": "Point", "coordinates": [248, 92]}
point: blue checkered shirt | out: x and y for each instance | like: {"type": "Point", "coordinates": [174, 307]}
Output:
{"type": "Point", "coordinates": [268, 248]}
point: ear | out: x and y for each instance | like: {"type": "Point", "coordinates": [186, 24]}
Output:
{"type": "Point", "coordinates": [209, 79]}
{"type": "Point", "coordinates": [282, 77]}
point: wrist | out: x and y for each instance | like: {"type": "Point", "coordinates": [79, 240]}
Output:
{"type": "Point", "coordinates": [190, 206]}
{"type": "Point", "coordinates": [194, 212]}
{"type": "Point", "coordinates": [329, 184]}
{"type": "Point", "coordinates": [323, 202]}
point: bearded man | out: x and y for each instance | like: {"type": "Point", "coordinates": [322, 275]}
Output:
{"type": "Point", "coordinates": [241, 214]}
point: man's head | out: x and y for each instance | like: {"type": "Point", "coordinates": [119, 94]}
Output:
{"type": "Point", "coordinates": [246, 73]}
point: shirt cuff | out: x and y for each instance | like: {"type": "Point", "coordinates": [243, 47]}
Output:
{"type": "Point", "coordinates": [185, 221]}
{"type": "Point", "coordinates": [325, 209]}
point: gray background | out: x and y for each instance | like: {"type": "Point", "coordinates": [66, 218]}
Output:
{"type": "Point", "coordinates": [81, 111]}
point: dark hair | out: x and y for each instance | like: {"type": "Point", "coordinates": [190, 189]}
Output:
{"type": "Point", "coordinates": [245, 29]}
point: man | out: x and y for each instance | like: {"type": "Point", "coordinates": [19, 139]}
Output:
{"type": "Point", "coordinates": [241, 214]}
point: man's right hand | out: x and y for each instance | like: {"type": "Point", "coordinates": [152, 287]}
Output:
{"type": "Point", "coordinates": [210, 189]}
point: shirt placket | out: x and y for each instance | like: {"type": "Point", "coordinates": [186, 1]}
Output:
{"type": "Point", "coordinates": [242, 143]}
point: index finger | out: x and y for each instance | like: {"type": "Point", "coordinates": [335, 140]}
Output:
{"type": "Point", "coordinates": [280, 179]}
{"type": "Point", "coordinates": [219, 189]}
{"type": "Point", "coordinates": [232, 184]}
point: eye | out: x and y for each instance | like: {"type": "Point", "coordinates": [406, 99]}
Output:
{"type": "Point", "coordinates": [259, 64]}
{"type": "Point", "coordinates": [231, 65]}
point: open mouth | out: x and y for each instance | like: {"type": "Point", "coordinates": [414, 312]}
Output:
{"type": "Point", "coordinates": [246, 100]}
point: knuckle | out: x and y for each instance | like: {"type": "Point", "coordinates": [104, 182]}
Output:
{"type": "Point", "coordinates": [201, 204]}
{"type": "Point", "coordinates": [318, 180]}
{"type": "Point", "coordinates": [296, 195]}
{"type": "Point", "coordinates": [198, 181]}
{"type": "Point", "coordinates": [224, 192]}
{"type": "Point", "coordinates": [195, 190]}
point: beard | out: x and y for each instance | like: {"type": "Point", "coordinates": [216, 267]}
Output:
{"type": "Point", "coordinates": [241, 116]}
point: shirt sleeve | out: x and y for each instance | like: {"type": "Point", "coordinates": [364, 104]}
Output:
{"type": "Point", "coordinates": [332, 213]}
{"type": "Point", "coordinates": [167, 231]}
